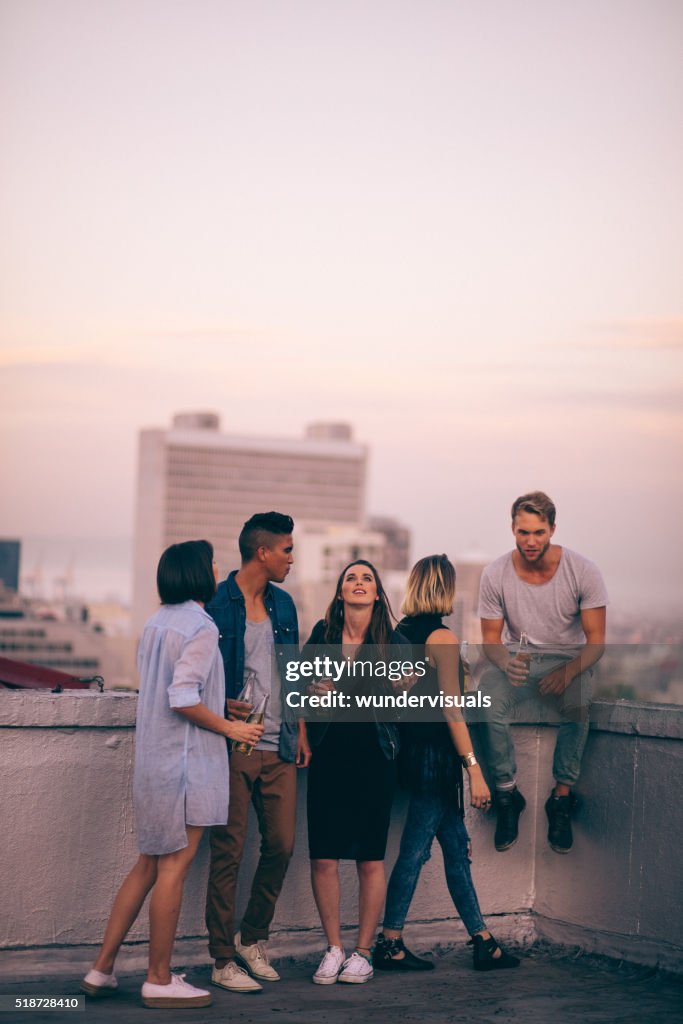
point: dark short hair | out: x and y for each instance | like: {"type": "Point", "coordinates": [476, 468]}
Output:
{"type": "Point", "coordinates": [185, 573]}
{"type": "Point", "coordinates": [260, 530]}
{"type": "Point", "coordinates": [536, 502]}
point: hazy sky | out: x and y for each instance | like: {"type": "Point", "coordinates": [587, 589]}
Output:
{"type": "Point", "coordinates": [457, 225]}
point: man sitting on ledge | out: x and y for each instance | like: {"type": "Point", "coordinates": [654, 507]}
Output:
{"type": "Point", "coordinates": [543, 613]}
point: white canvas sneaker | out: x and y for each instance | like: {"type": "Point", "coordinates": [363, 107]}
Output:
{"type": "Point", "coordinates": [96, 984]}
{"type": "Point", "coordinates": [174, 996]}
{"type": "Point", "coordinates": [356, 970]}
{"type": "Point", "coordinates": [330, 966]}
{"type": "Point", "coordinates": [234, 978]}
{"type": "Point", "coordinates": [255, 960]}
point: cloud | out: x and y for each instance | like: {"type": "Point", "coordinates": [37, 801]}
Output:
{"type": "Point", "coordinates": [662, 334]}
{"type": "Point", "coordinates": [42, 356]}
{"type": "Point", "coordinates": [660, 401]}
{"type": "Point", "coordinates": [201, 333]}
{"type": "Point", "coordinates": [211, 349]}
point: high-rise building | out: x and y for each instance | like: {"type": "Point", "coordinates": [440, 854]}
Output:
{"type": "Point", "coordinates": [321, 555]}
{"type": "Point", "coordinates": [465, 619]}
{"type": "Point", "coordinates": [10, 551]}
{"type": "Point", "coordinates": [195, 481]}
{"type": "Point", "coordinates": [397, 538]}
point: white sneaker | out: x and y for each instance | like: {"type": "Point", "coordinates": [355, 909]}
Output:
{"type": "Point", "coordinates": [330, 966]}
{"type": "Point", "coordinates": [356, 970]}
{"type": "Point", "coordinates": [234, 978]}
{"type": "Point", "coordinates": [176, 995]}
{"type": "Point", "coordinates": [97, 984]}
{"type": "Point", "coordinates": [255, 960]}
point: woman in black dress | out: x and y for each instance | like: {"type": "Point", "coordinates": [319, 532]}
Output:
{"type": "Point", "coordinates": [352, 775]}
{"type": "Point", "coordinates": [432, 755]}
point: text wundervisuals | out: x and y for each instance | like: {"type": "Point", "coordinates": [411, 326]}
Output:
{"type": "Point", "coordinates": [335, 699]}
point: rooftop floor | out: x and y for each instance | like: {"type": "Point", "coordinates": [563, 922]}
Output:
{"type": "Point", "coordinates": [552, 985]}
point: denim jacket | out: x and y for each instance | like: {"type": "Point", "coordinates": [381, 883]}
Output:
{"type": "Point", "coordinates": [228, 611]}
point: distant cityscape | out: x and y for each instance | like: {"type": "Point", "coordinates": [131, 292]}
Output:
{"type": "Point", "coordinates": [195, 481]}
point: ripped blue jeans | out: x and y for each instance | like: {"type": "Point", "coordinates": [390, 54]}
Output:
{"type": "Point", "coordinates": [429, 817]}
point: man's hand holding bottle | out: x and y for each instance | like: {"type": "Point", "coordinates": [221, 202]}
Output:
{"type": "Point", "coordinates": [517, 668]}
{"type": "Point", "coordinates": [245, 734]}
{"type": "Point", "coordinates": [238, 709]}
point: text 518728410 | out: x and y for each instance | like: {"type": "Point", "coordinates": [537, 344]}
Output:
{"type": "Point", "coordinates": [28, 1003]}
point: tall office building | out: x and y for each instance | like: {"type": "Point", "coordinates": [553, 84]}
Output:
{"type": "Point", "coordinates": [397, 538]}
{"type": "Point", "coordinates": [321, 554]}
{"type": "Point", "coordinates": [465, 620]}
{"type": "Point", "coordinates": [10, 552]}
{"type": "Point", "coordinates": [195, 481]}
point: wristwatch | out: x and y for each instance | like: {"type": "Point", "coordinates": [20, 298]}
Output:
{"type": "Point", "coordinates": [469, 760]}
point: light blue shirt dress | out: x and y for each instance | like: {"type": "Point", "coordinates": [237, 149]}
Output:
{"type": "Point", "coordinates": [181, 772]}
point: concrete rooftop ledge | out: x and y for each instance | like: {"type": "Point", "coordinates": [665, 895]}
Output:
{"type": "Point", "coordinates": [629, 717]}
{"type": "Point", "coordinates": [664, 721]}
{"type": "Point", "coordinates": [91, 709]}
{"type": "Point", "coordinates": [86, 709]}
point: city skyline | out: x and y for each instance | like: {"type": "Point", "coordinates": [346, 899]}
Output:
{"type": "Point", "coordinates": [67, 566]}
{"type": "Point", "coordinates": [456, 227]}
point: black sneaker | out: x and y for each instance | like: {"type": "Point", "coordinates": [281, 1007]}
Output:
{"type": "Point", "coordinates": [559, 810]}
{"type": "Point", "coordinates": [509, 805]}
{"type": "Point", "coordinates": [384, 957]}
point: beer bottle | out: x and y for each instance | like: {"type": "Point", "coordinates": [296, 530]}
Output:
{"type": "Point", "coordinates": [524, 651]}
{"type": "Point", "coordinates": [246, 695]}
{"type": "Point", "coordinates": [255, 717]}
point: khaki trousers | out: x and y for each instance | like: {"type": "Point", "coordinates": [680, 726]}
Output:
{"type": "Point", "coordinates": [270, 784]}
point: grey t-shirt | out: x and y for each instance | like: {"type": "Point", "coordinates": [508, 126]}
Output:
{"type": "Point", "coordinates": [259, 655]}
{"type": "Point", "coordinates": [549, 613]}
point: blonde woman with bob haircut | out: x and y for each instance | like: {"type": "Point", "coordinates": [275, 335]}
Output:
{"type": "Point", "coordinates": [431, 588]}
{"type": "Point", "coordinates": [432, 754]}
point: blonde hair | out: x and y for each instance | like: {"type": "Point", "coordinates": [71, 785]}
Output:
{"type": "Point", "coordinates": [431, 587]}
{"type": "Point", "coordinates": [536, 502]}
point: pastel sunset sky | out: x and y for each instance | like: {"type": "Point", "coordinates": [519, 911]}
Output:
{"type": "Point", "coordinates": [456, 225]}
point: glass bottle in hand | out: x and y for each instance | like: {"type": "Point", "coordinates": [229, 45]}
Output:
{"type": "Point", "coordinates": [246, 694]}
{"type": "Point", "coordinates": [255, 717]}
{"type": "Point", "coordinates": [524, 651]}
{"type": "Point", "coordinates": [243, 705]}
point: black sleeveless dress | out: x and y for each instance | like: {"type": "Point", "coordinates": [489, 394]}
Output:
{"type": "Point", "coordinates": [351, 784]}
{"type": "Point", "coordinates": [428, 763]}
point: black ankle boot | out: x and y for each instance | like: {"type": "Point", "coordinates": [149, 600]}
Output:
{"type": "Point", "coordinates": [383, 957]}
{"type": "Point", "coordinates": [509, 804]}
{"type": "Point", "coordinates": [559, 810]}
{"type": "Point", "coordinates": [483, 958]}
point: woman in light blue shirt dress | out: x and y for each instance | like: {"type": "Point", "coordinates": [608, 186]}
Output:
{"type": "Point", "coordinates": [181, 769]}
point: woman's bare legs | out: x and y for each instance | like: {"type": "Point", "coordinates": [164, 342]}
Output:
{"type": "Point", "coordinates": [125, 910]}
{"type": "Point", "coordinates": [146, 874]}
{"type": "Point", "coordinates": [326, 890]}
{"type": "Point", "coordinates": [327, 893]}
{"type": "Point", "coordinates": [164, 906]}
{"type": "Point", "coordinates": [372, 885]}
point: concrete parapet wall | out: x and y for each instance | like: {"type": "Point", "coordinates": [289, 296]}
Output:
{"type": "Point", "coordinates": [66, 771]}
{"type": "Point", "coordinates": [623, 878]}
